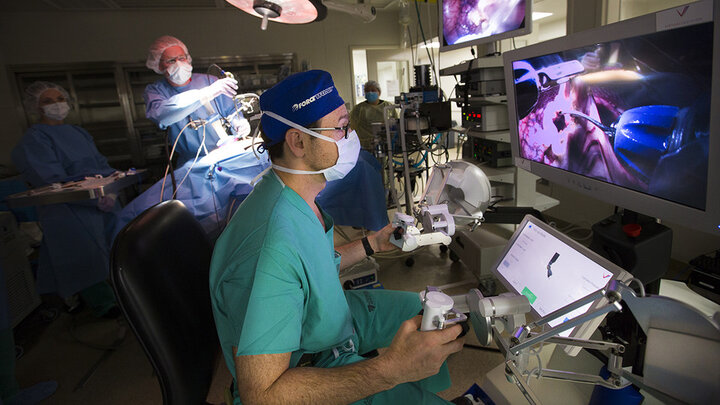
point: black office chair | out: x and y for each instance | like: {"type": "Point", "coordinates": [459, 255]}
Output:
{"type": "Point", "coordinates": [159, 269]}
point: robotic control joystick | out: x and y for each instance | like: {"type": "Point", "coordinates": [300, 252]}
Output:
{"type": "Point", "coordinates": [438, 311]}
{"type": "Point", "coordinates": [437, 228]}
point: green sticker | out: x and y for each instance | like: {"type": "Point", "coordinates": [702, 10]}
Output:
{"type": "Point", "coordinates": [530, 296]}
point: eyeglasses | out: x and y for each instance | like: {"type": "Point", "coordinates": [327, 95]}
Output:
{"type": "Point", "coordinates": [181, 58]}
{"type": "Point", "coordinates": [344, 129]}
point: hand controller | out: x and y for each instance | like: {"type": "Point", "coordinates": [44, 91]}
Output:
{"type": "Point", "coordinates": [438, 311]}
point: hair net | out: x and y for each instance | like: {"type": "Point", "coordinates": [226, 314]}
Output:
{"type": "Point", "coordinates": [373, 84]}
{"type": "Point", "coordinates": [302, 98]}
{"type": "Point", "coordinates": [158, 47]}
{"type": "Point", "coordinates": [35, 90]}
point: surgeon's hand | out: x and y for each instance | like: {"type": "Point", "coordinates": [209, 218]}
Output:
{"type": "Point", "coordinates": [227, 86]}
{"type": "Point", "coordinates": [380, 240]}
{"type": "Point", "coordinates": [414, 355]}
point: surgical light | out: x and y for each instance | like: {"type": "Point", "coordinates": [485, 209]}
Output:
{"type": "Point", "coordinates": [283, 11]}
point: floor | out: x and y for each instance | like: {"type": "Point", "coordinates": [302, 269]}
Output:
{"type": "Point", "coordinates": [100, 361]}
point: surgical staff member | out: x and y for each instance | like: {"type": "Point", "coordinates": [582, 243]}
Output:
{"type": "Point", "coordinates": [183, 96]}
{"type": "Point", "coordinates": [74, 254]}
{"type": "Point", "coordinates": [369, 111]}
{"type": "Point", "coordinates": [274, 283]}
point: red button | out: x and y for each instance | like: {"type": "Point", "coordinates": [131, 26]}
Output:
{"type": "Point", "coordinates": [632, 230]}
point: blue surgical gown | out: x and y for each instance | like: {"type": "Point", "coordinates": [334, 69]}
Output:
{"type": "Point", "coordinates": [358, 199]}
{"type": "Point", "coordinates": [219, 182]}
{"type": "Point", "coordinates": [274, 288]}
{"type": "Point", "coordinates": [74, 253]}
{"type": "Point", "coordinates": [170, 109]}
{"type": "Point", "coordinates": [215, 187]}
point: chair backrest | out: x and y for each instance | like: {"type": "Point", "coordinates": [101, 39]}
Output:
{"type": "Point", "coordinates": [160, 264]}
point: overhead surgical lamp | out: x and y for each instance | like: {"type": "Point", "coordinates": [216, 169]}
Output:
{"type": "Point", "coordinates": [283, 11]}
{"type": "Point", "coordinates": [300, 11]}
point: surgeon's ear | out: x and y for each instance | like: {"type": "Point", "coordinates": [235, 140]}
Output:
{"type": "Point", "coordinates": [295, 141]}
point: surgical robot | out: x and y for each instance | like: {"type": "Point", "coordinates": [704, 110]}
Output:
{"type": "Point", "coordinates": [687, 375]}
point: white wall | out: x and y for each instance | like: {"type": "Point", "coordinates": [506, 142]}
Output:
{"type": "Point", "coordinates": [634, 8]}
{"type": "Point", "coordinates": [124, 36]}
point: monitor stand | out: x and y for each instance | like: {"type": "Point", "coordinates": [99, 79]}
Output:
{"type": "Point", "coordinates": [492, 49]}
{"type": "Point", "coordinates": [637, 243]}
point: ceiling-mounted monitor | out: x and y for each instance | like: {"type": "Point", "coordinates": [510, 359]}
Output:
{"type": "Point", "coordinates": [465, 23]}
{"type": "Point", "coordinates": [623, 113]}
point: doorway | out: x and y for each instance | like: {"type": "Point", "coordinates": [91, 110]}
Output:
{"type": "Point", "coordinates": [389, 66]}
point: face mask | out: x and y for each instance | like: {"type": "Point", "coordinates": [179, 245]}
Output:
{"type": "Point", "coordinates": [179, 72]}
{"type": "Point", "coordinates": [348, 150]}
{"type": "Point", "coordinates": [57, 111]}
{"type": "Point", "coordinates": [372, 96]}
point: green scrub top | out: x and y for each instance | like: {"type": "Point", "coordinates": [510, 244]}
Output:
{"type": "Point", "coordinates": [275, 288]}
{"type": "Point", "coordinates": [274, 278]}
{"type": "Point", "coordinates": [362, 115]}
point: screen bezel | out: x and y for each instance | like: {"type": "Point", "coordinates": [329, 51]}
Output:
{"type": "Point", "coordinates": [527, 29]}
{"type": "Point", "coordinates": [585, 330]}
{"type": "Point", "coordinates": [707, 220]}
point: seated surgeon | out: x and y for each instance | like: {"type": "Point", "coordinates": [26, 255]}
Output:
{"type": "Point", "coordinates": [75, 250]}
{"type": "Point", "coordinates": [183, 96]}
{"type": "Point", "coordinates": [275, 291]}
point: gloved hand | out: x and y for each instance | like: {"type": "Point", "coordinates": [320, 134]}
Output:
{"type": "Point", "coordinates": [106, 202]}
{"type": "Point", "coordinates": [227, 86]}
{"type": "Point", "coordinates": [241, 126]}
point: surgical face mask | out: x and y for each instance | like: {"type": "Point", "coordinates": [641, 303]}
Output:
{"type": "Point", "coordinates": [179, 72]}
{"type": "Point", "coordinates": [56, 111]}
{"type": "Point", "coordinates": [348, 151]}
{"type": "Point", "coordinates": [372, 96]}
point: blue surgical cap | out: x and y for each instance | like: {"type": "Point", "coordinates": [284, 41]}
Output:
{"type": "Point", "coordinates": [302, 98]}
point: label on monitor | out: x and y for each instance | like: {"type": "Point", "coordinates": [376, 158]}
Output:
{"type": "Point", "coordinates": [689, 14]}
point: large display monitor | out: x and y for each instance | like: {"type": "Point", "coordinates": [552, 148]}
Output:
{"type": "Point", "coordinates": [471, 22]}
{"type": "Point", "coordinates": [623, 113]}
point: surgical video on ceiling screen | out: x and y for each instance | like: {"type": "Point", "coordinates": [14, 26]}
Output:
{"type": "Point", "coordinates": [467, 20]}
{"type": "Point", "coordinates": [633, 112]}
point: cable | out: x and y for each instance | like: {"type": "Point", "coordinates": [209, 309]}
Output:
{"type": "Point", "coordinates": [255, 135]}
{"type": "Point", "coordinates": [477, 347]}
{"type": "Point", "coordinates": [172, 152]}
{"type": "Point", "coordinates": [202, 143]}
{"type": "Point", "coordinates": [215, 208]}
{"type": "Point", "coordinates": [640, 284]}
{"type": "Point", "coordinates": [568, 229]}
{"type": "Point", "coordinates": [499, 200]}
{"type": "Point", "coordinates": [412, 53]}
{"type": "Point", "coordinates": [230, 211]}
{"type": "Point", "coordinates": [422, 31]}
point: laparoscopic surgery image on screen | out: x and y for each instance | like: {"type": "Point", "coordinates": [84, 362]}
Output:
{"type": "Point", "coordinates": [633, 112]}
{"type": "Point", "coordinates": [467, 20]}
